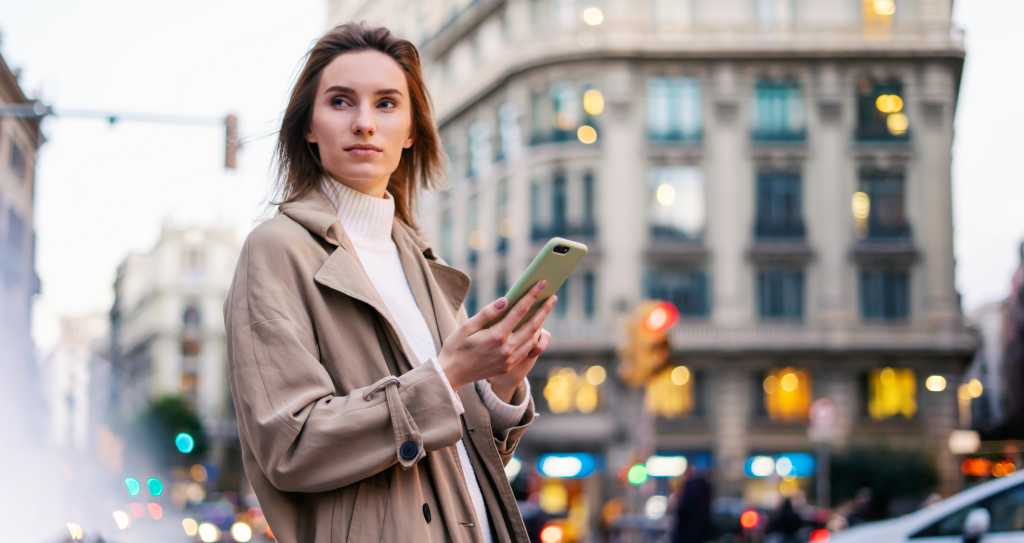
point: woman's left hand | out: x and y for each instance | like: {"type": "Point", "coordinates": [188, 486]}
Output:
{"type": "Point", "coordinates": [505, 385]}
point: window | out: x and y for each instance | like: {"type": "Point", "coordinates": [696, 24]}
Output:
{"type": "Point", "coordinates": [878, 15]}
{"type": "Point", "coordinates": [589, 295]}
{"type": "Point", "coordinates": [508, 131]}
{"type": "Point", "coordinates": [881, 112]}
{"type": "Point", "coordinates": [878, 208]}
{"type": "Point", "coordinates": [473, 237]}
{"type": "Point", "coordinates": [884, 294]}
{"type": "Point", "coordinates": [787, 394]}
{"type": "Point", "coordinates": [778, 112]}
{"type": "Point", "coordinates": [670, 393]}
{"type": "Point", "coordinates": [501, 283]}
{"type": "Point", "coordinates": [676, 203]}
{"type": "Point", "coordinates": [567, 391]}
{"type": "Point", "coordinates": [559, 203]}
{"type": "Point", "coordinates": [537, 229]}
{"type": "Point", "coordinates": [891, 392]}
{"type": "Point", "coordinates": [565, 103]}
{"type": "Point", "coordinates": [504, 229]}
{"type": "Point", "coordinates": [446, 226]}
{"type": "Point", "coordinates": [562, 305]}
{"type": "Point", "coordinates": [13, 259]}
{"type": "Point", "coordinates": [780, 294]}
{"type": "Point", "coordinates": [18, 164]}
{"type": "Point", "coordinates": [1006, 510]}
{"type": "Point", "coordinates": [471, 299]}
{"type": "Point", "coordinates": [774, 13]}
{"type": "Point", "coordinates": [673, 109]}
{"type": "Point", "coordinates": [779, 206]}
{"type": "Point", "coordinates": [479, 147]}
{"type": "Point", "coordinates": [687, 289]}
{"type": "Point", "coordinates": [588, 198]}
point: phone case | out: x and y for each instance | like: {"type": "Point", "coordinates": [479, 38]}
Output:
{"type": "Point", "coordinates": [548, 264]}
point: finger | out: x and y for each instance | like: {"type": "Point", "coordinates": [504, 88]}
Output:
{"type": "Point", "coordinates": [484, 317]}
{"type": "Point", "coordinates": [516, 314]}
{"type": "Point", "coordinates": [542, 344]}
{"type": "Point", "coordinates": [522, 352]}
{"type": "Point", "coordinates": [535, 323]}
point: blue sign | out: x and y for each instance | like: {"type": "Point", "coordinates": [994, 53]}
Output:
{"type": "Point", "coordinates": [567, 465]}
{"type": "Point", "coordinates": [786, 464]}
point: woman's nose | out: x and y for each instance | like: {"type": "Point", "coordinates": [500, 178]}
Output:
{"type": "Point", "coordinates": [364, 122]}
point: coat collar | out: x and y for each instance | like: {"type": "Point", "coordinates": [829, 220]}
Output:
{"type": "Point", "coordinates": [343, 272]}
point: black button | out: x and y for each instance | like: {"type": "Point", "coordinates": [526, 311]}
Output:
{"type": "Point", "coordinates": [409, 450]}
{"type": "Point", "coordinates": [426, 513]}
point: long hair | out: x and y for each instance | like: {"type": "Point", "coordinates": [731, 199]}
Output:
{"type": "Point", "coordinates": [299, 169]}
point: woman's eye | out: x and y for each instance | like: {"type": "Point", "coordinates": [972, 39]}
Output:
{"type": "Point", "coordinates": [388, 104]}
{"type": "Point", "coordinates": [338, 101]}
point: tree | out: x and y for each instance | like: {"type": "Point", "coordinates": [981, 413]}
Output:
{"type": "Point", "coordinates": [159, 425]}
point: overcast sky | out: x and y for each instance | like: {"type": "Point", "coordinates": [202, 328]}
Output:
{"type": "Point", "coordinates": [103, 191]}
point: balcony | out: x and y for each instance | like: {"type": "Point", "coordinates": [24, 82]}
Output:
{"type": "Point", "coordinates": [893, 242]}
{"type": "Point", "coordinates": [677, 136]}
{"type": "Point", "coordinates": [778, 135]}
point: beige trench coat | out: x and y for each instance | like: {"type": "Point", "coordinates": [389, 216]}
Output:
{"type": "Point", "coordinates": [342, 438]}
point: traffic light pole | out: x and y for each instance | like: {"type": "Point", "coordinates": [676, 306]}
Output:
{"type": "Point", "coordinates": [39, 111]}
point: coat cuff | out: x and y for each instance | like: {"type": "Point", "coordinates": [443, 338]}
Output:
{"type": "Point", "coordinates": [459, 409]}
{"type": "Point", "coordinates": [504, 415]}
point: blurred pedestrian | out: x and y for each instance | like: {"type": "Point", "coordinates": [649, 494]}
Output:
{"type": "Point", "coordinates": [370, 406]}
{"type": "Point", "coordinates": [693, 523]}
{"type": "Point", "coordinates": [785, 523]}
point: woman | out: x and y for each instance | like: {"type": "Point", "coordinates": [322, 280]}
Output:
{"type": "Point", "coordinates": [370, 407]}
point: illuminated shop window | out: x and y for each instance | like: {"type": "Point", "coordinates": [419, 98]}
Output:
{"type": "Point", "coordinates": [787, 394]}
{"type": "Point", "coordinates": [567, 391]}
{"type": "Point", "coordinates": [892, 392]}
{"type": "Point", "coordinates": [670, 393]}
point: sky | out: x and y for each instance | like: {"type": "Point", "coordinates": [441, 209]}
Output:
{"type": "Point", "coordinates": [103, 190]}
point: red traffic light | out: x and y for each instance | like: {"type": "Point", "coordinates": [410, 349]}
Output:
{"type": "Point", "coordinates": [661, 317]}
{"type": "Point", "coordinates": [750, 519]}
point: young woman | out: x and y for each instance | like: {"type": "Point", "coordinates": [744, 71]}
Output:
{"type": "Point", "coordinates": [370, 406]}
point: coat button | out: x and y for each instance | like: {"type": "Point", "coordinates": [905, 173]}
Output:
{"type": "Point", "coordinates": [426, 513]}
{"type": "Point", "coordinates": [409, 450]}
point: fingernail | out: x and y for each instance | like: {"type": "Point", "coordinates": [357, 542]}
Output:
{"type": "Point", "coordinates": [543, 283]}
{"type": "Point", "coordinates": [500, 304]}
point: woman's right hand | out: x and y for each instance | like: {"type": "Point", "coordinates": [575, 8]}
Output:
{"type": "Point", "coordinates": [473, 352]}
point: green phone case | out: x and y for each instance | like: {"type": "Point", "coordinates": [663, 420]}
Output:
{"type": "Point", "coordinates": [548, 264]}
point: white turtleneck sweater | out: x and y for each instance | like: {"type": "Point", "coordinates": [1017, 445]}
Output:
{"type": "Point", "coordinates": [367, 221]}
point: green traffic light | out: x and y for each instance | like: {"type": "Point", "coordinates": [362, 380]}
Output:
{"type": "Point", "coordinates": [133, 486]}
{"type": "Point", "coordinates": [637, 474]}
{"type": "Point", "coordinates": [185, 443]}
{"type": "Point", "coordinates": [156, 486]}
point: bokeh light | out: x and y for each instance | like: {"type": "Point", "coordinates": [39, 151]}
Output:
{"type": "Point", "coordinates": [156, 486]}
{"type": "Point", "coordinates": [133, 485]}
{"type": "Point", "coordinates": [208, 533]}
{"type": "Point", "coordinates": [593, 16]}
{"type": "Point", "coordinates": [593, 102]}
{"type": "Point", "coordinates": [122, 520]}
{"type": "Point", "coordinates": [156, 511]}
{"type": "Point", "coordinates": [637, 474]}
{"type": "Point", "coordinates": [587, 134]}
{"type": "Point", "coordinates": [75, 531]}
{"type": "Point", "coordinates": [185, 443]}
{"type": "Point", "coordinates": [241, 532]}
{"type": "Point", "coordinates": [935, 383]}
{"type": "Point", "coordinates": [190, 526]}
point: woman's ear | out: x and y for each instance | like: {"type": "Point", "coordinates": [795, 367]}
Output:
{"type": "Point", "coordinates": [408, 143]}
{"type": "Point", "coordinates": [310, 137]}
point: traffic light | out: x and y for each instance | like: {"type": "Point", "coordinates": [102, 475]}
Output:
{"type": "Point", "coordinates": [231, 143]}
{"type": "Point", "coordinates": [646, 349]}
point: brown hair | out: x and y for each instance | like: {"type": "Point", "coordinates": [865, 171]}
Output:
{"type": "Point", "coordinates": [299, 169]}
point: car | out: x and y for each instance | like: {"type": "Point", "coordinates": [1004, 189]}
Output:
{"type": "Point", "coordinates": [992, 512]}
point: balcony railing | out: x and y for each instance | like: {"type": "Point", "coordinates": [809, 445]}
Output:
{"type": "Point", "coordinates": [778, 135]}
{"type": "Point", "coordinates": [689, 137]}
{"type": "Point", "coordinates": [888, 232]}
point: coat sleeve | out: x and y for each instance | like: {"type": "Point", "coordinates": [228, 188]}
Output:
{"type": "Point", "coordinates": [304, 435]}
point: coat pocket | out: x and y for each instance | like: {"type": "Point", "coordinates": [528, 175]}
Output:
{"type": "Point", "coordinates": [369, 503]}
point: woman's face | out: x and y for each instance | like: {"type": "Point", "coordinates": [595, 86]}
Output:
{"type": "Point", "coordinates": [362, 119]}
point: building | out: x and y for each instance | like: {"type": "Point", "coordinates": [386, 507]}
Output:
{"type": "Point", "coordinates": [167, 329]}
{"type": "Point", "coordinates": [778, 169]}
{"type": "Point", "coordinates": [20, 139]}
{"type": "Point", "coordinates": [73, 373]}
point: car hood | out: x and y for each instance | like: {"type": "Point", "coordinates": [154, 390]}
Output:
{"type": "Point", "coordinates": [874, 532]}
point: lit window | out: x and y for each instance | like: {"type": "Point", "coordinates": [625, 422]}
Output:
{"type": "Point", "coordinates": [677, 207]}
{"type": "Point", "coordinates": [881, 112]}
{"type": "Point", "coordinates": [670, 393]}
{"type": "Point", "coordinates": [567, 391]}
{"type": "Point", "coordinates": [787, 394]}
{"type": "Point", "coordinates": [879, 206]}
{"type": "Point", "coordinates": [892, 392]}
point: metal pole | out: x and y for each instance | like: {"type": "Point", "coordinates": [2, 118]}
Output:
{"type": "Point", "coordinates": [824, 471]}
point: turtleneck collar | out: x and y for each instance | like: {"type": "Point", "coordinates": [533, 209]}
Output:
{"type": "Point", "coordinates": [363, 216]}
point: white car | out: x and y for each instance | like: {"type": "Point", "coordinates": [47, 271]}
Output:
{"type": "Point", "coordinates": [992, 512]}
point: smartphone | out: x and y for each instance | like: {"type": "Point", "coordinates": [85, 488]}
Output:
{"type": "Point", "coordinates": [555, 262]}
